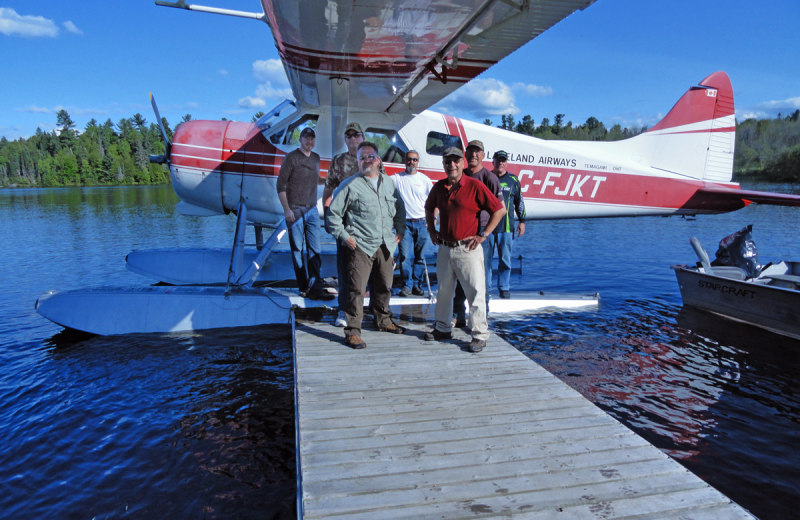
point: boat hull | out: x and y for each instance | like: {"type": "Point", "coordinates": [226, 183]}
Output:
{"type": "Point", "coordinates": [772, 308]}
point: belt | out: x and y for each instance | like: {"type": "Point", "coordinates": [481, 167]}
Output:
{"type": "Point", "coordinates": [415, 219]}
{"type": "Point", "coordinates": [298, 206]}
{"type": "Point", "coordinates": [453, 244]}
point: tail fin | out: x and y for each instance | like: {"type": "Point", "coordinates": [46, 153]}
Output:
{"type": "Point", "coordinates": [697, 137]}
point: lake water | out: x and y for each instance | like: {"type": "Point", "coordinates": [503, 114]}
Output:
{"type": "Point", "coordinates": [202, 425]}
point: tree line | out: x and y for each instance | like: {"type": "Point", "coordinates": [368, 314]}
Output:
{"type": "Point", "coordinates": [102, 154]}
{"type": "Point", "coordinates": [117, 153]}
{"type": "Point", "coordinates": [768, 149]}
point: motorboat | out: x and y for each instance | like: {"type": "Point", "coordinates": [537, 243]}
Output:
{"type": "Point", "coordinates": [770, 300]}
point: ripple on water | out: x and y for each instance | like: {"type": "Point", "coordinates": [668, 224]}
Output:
{"type": "Point", "coordinates": [153, 426]}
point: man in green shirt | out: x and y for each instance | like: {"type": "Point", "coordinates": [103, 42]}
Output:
{"type": "Point", "coordinates": [502, 238]}
{"type": "Point", "coordinates": [363, 212]}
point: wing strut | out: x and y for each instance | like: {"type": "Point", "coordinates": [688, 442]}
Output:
{"type": "Point", "coordinates": [181, 4]}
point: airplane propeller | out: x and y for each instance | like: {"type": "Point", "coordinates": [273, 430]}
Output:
{"type": "Point", "coordinates": [160, 159]}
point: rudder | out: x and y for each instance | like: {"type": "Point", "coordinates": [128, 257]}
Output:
{"type": "Point", "coordinates": [697, 137]}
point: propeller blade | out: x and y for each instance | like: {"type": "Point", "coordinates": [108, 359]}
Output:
{"type": "Point", "coordinates": [160, 159]}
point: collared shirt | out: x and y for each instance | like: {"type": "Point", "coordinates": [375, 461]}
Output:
{"type": "Point", "coordinates": [512, 196]}
{"type": "Point", "coordinates": [343, 166]}
{"type": "Point", "coordinates": [460, 207]}
{"type": "Point", "coordinates": [367, 214]}
{"type": "Point", "coordinates": [415, 190]}
{"type": "Point", "coordinates": [299, 177]}
{"type": "Point", "coordinates": [489, 179]}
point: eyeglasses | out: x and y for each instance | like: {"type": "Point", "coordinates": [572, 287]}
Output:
{"type": "Point", "coordinates": [351, 135]}
{"type": "Point", "coordinates": [368, 158]}
{"type": "Point", "coordinates": [412, 159]}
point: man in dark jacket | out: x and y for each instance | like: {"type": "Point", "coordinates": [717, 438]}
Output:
{"type": "Point", "coordinates": [502, 238]}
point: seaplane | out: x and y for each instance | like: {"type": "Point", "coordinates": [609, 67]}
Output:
{"type": "Point", "coordinates": [384, 64]}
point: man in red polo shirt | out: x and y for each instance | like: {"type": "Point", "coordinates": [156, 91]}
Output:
{"type": "Point", "coordinates": [460, 200]}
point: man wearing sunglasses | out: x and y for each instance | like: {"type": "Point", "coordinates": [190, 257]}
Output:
{"type": "Point", "coordinates": [363, 212]}
{"type": "Point", "coordinates": [460, 200]}
{"type": "Point", "coordinates": [414, 188]}
{"type": "Point", "coordinates": [503, 237]}
{"type": "Point", "coordinates": [474, 169]}
{"type": "Point", "coordinates": [343, 166]}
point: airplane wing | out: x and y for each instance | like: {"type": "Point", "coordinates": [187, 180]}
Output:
{"type": "Point", "coordinates": [401, 55]}
{"type": "Point", "coordinates": [748, 196]}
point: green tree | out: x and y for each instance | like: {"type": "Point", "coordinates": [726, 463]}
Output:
{"type": "Point", "coordinates": [258, 115]}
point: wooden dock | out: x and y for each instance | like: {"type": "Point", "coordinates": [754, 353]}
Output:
{"type": "Point", "coordinates": [414, 429]}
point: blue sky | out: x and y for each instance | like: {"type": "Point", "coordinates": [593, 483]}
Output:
{"type": "Point", "coordinates": [621, 61]}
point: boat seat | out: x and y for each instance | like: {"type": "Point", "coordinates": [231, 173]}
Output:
{"type": "Point", "coordinates": [734, 273]}
{"type": "Point", "coordinates": [785, 277]}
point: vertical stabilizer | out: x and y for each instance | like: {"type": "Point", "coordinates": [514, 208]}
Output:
{"type": "Point", "coordinates": [697, 137]}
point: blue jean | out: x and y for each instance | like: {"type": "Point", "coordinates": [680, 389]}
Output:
{"type": "Point", "coordinates": [412, 252]}
{"type": "Point", "coordinates": [460, 299]}
{"type": "Point", "coordinates": [305, 231]}
{"type": "Point", "coordinates": [502, 242]}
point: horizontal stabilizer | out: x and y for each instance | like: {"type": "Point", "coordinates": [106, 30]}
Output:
{"type": "Point", "coordinates": [749, 196]}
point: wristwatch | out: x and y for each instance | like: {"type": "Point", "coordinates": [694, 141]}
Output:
{"type": "Point", "coordinates": [482, 234]}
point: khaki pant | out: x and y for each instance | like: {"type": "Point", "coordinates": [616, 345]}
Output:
{"type": "Point", "coordinates": [359, 268]}
{"type": "Point", "coordinates": [459, 263]}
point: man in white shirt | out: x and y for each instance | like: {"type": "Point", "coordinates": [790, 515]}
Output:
{"type": "Point", "coordinates": [414, 188]}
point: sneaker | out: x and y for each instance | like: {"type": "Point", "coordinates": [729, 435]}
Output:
{"type": "Point", "coordinates": [437, 335]}
{"type": "Point", "coordinates": [461, 321]}
{"type": "Point", "coordinates": [393, 328]}
{"type": "Point", "coordinates": [476, 345]}
{"type": "Point", "coordinates": [416, 291]}
{"type": "Point", "coordinates": [341, 320]}
{"type": "Point", "coordinates": [355, 342]}
{"type": "Point", "coordinates": [405, 291]}
{"type": "Point", "coordinates": [318, 292]}
{"type": "Point", "coordinates": [506, 295]}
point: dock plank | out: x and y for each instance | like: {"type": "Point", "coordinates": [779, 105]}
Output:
{"type": "Point", "coordinates": [408, 428]}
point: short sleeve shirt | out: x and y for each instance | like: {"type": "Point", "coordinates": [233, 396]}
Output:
{"type": "Point", "coordinates": [343, 166]}
{"type": "Point", "coordinates": [460, 207]}
{"type": "Point", "coordinates": [490, 180]}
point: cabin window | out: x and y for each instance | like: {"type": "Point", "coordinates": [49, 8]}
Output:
{"type": "Point", "coordinates": [391, 148]}
{"type": "Point", "coordinates": [292, 132]}
{"type": "Point", "coordinates": [438, 142]}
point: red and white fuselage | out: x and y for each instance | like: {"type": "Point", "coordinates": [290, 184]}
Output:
{"type": "Point", "coordinates": [682, 165]}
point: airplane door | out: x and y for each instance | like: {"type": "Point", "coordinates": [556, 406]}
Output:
{"type": "Point", "coordinates": [233, 162]}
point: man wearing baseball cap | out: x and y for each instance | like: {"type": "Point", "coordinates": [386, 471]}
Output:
{"type": "Point", "coordinates": [460, 199]}
{"type": "Point", "coordinates": [503, 237]}
{"type": "Point", "coordinates": [474, 169]}
{"type": "Point", "coordinates": [343, 166]}
{"type": "Point", "coordinates": [297, 190]}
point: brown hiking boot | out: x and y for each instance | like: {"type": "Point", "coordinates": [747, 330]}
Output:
{"type": "Point", "coordinates": [355, 342]}
{"type": "Point", "coordinates": [393, 328]}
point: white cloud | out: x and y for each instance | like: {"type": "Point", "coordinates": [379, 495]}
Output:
{"type": "Point", "coordinates": [482, 97]}
{"type": "Point", "coordinates": [12, 24]}
{"type": "Point", "coordinates": [532, 90]}
{"type": "Point", "coordinates": [223, 72]}
{"type": "Point", "coordinates": [252, 102]}
{"type": "Point", "coordinates": [636, 119]}
{"type": "Point", "coordinates": [71, 27]}
{"type": "Point", "coordinates": [769, 109]}
{"type": "Point", "coordinates": [270, 72]}
{"type": "Point", "coordinates": [274, 86]}
{"type": "Point", "coordinates": [33, 109]}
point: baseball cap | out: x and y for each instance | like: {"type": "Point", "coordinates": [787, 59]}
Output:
{"type": "Point", "coordinates": [453, 150]}
{"type": "Point", "coordinates": [476, 144]}
{"type": "Point", "coordinates": [353, 126]}
{"type": "Point", "coordinates": [308, 132]}
{"type": "Point", "coordinates": [500, 154]}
